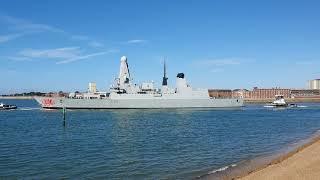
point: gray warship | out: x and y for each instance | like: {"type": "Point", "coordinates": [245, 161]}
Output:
{"type": "Point", "coordinates": [124, 94]}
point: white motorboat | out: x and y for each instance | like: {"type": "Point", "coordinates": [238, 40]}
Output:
{"type": "Point", "coordinates": [7, 107]}
{"type": "Point", "coordinates": [280, 102]}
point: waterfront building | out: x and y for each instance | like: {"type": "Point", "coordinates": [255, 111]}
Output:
{"type": "Point", "coordinates": [258, 93]}
{"type": "Point", "coordinates": [305, 93]}
{"type": "Point", "coordinates": [220, 93]}
{"type": "Point", "coordinates": [265, 93]}
{"type": "Point", "coordinates": [92, 87]}
{"type": "Point", "coordinates": [314, 84]}
{"type": "Point", "coordinates": [241, 93]}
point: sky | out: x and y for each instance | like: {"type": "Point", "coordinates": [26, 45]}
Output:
{"type": "Point", "coordinates": [63, 45]}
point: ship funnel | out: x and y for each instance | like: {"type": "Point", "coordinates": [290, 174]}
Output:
{"type": "Point", "coordinates": [181, 82]}
{"type": "Point", "coordinates": [180, 75]}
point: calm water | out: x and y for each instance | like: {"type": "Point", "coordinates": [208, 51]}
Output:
{"type": "Point", "coordinates": [143, 144]}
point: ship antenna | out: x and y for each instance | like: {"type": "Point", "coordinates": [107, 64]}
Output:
{"type": "Point", "coordinates": [164, 80]}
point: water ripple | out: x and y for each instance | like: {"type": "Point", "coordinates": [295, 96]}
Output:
{"type": "Point", "coordinates": [143, 144]}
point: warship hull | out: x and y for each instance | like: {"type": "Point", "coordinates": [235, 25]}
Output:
{"type": "Point", "coordinates": [69, 103]}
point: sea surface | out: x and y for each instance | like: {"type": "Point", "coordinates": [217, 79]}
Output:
{"type": "Point", "coordinates": [143, 144]}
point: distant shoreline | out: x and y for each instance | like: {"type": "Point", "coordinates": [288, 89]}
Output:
{"type": "Point", "coordinates": [16, 97]}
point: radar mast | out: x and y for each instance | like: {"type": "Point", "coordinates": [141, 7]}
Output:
{"type": "Point", "coordinates": [164, 79]}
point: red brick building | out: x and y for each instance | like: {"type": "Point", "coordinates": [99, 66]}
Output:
{"type": "Point", "coordinates": [241, 93]}
{"type": "Point", "coordinates": [257, 93]}
{"type": "Point", "coordinates": [305, 93]}
{"type": "Point", "coordinates": [266, 93]}
{"type": "Point", "coordinates": [220, 93]}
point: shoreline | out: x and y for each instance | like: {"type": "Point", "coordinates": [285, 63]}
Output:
{"type": "Point", "coordinates": [279, 161]}
{"type": "Point", "coordinates": [244, 169]}
{"type": "Point", "coordinates": [16, 97]}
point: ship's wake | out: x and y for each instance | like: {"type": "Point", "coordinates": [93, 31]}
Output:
{"type": "Point", "coordinates": [28, 109]}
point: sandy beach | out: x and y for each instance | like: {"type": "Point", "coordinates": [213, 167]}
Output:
{"type": "Point", "coordinates": [303, 163]}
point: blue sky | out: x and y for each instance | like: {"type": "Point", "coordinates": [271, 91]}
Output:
{"type": "Point", "coordinates": [63, 45]}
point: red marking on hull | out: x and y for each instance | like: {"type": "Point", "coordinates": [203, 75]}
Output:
{"type": "Point", "coordinates": [47, 102]}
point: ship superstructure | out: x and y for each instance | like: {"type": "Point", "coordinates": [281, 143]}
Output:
{"type": "Point", "coordinates": [125, 94]}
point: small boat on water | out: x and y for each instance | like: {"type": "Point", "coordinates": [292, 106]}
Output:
{"type": "Point", "coordinates": [7, 106]}
{"type": "Point", "coordinates": [279, 102]}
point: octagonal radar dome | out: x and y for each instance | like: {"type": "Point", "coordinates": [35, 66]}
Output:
{"type": "Point", "coordinates": [123, 58]}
